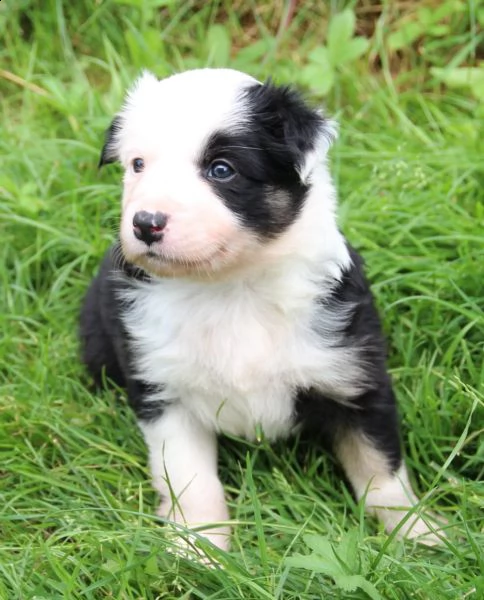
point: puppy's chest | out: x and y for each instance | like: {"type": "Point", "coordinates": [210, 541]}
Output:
{"type": "Point", "coordinates": [233, 358]}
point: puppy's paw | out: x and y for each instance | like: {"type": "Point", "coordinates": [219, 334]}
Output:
{"type": "Point", "coordinates": [392, 500]}
{"type": "Point", "coordinates": [424, 528]}
{"type": "Point", "coordinates": [209, 523]}
{"type": "Point", "coordinates": [427, 531]}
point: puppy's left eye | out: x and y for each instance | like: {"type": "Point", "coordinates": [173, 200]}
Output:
{"type": "Point", "coordinates": [220, 170]}
{"type": "Point", "coordinates": [138, 165]}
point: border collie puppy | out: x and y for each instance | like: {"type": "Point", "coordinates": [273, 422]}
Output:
{"type": "Point", "coordinates": [232, 303]}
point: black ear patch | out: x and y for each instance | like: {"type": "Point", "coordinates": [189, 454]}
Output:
{"type": "Point", "coordinates": [291, 126]}
{"type": "Point", "coordinates": [268, 151]}
{"type": "Point", "coordinates": [109, 152]}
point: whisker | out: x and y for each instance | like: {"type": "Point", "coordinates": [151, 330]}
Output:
{"type": "Point", "coordinates": [235, 147]}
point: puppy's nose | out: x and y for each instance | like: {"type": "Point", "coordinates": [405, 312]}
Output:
{"type": "Point", "coordinates": [148, 227]}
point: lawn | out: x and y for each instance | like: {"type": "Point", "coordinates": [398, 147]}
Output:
{"type": "Point", "coordinates": [76, 504]}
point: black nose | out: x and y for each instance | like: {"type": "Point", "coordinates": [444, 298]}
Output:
{"type": "Point", "coordinates": [148, 227]}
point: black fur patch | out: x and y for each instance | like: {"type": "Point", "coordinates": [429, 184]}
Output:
{"type": "Point", "coordinates": [267, 192]}
{"type": "Point", "coordinates": [108, 153]}
{"type": "Point", "coordinates": [289, 128]}
{"type": "Point", "coordinates": [255, 192]}
{"type": "Point", "coordinates": [105, 344]}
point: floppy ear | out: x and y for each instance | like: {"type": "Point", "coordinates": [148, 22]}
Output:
{"type": "Point", "coordinates": [293, 126]}
{"type": "Point", "coordinates": [109, 153]}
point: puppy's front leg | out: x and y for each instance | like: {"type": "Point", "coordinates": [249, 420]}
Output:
{"type": "Point", "coordinates": [183, 460]}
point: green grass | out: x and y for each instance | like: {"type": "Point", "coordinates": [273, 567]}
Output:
{"type": "Point", "coordinates": [76, 503]}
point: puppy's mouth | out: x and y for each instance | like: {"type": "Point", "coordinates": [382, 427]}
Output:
{"type": "Point", "coordinates": [160, 261]}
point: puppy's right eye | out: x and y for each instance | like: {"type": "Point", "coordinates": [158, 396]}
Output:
{"type": "Point", "coordinates": [138, 165]}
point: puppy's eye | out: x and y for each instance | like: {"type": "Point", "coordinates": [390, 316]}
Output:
{"type": "Point", "coordinates": [221, 170]}
{"type": "Point", "coordinates": [138, 165]}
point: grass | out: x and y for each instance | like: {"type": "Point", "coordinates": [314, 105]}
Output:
{"type": "Point", "coordinates": [76, 510]}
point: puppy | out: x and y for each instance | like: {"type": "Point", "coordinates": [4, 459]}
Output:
{"type": "Point", "coordinates": [232, 303]}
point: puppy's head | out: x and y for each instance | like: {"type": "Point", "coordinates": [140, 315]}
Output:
{"type": "Point", "coordinates": [217, 166]}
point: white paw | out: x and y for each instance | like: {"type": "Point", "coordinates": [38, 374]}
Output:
{"type": "Point", "coordinates": [424, 528]}
{"type": "Point", "coordinates": [426, 531]}
{"type": "Point", "coordinates": [209, 523]}
{"type": "Point", "coordinates": [391, 499]}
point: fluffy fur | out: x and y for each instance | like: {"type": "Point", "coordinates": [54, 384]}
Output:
{"type": "Point", "coordinates": [239, 305]}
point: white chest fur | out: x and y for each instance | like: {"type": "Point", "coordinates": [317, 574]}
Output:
{"type": "Point", "coordinates": [236, 353]}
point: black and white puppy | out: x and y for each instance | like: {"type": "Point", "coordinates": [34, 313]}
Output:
{"type": "Point", "coordinates": [232, 303]}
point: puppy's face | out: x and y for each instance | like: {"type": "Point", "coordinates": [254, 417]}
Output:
{"type": "Point", "coordinates": [217, 167]}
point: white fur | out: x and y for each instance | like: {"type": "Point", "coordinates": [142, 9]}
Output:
{"type": "Point", "coordinates": [234, 350]}
{"type": "Point", "coordinates": [167, 123]}
{"type": "Point", "coordinates": [323, 143]}
{"type": "Point", "coordinates": [183, 459]}
{"type": "Point", "coordinates": [387, 495]}
{"type": "Point", "coordinates": [230, 351]}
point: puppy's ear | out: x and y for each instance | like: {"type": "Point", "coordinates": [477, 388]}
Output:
{"type": "Point", "coordinates": [293, 126]}
{"type": "Point", "coordinates": [109, 153]}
